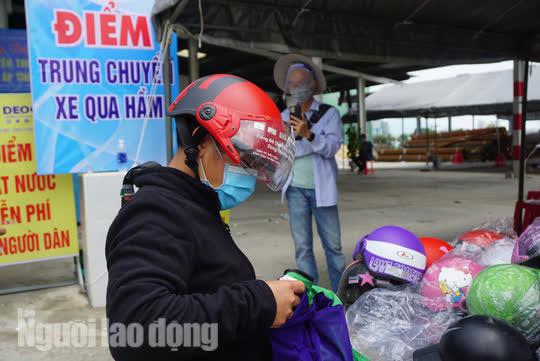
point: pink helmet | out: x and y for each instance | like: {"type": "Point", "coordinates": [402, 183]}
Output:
{"type": "Point", "coordinates": [446, 282]}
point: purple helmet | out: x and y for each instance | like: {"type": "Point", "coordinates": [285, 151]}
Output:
{"type": "Point", "coordinates": [394, 253]}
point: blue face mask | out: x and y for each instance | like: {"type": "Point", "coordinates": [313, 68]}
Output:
{"type": "Point", "coordinates": [238, 185]}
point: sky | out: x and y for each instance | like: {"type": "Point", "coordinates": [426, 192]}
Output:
{"type": "Point", "coordinates": [462, 122]}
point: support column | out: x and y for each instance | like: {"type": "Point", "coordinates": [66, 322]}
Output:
{"type": "Point", "coordinates": [449, 124]}
{"type": "Point", "coordinates": [318, 61]}
{"type": "Point", "coordinates": [362, 113]}
{"type": "Point", "coordinates": [427, 140]}
{"type": "Point", "coordinates": [168, 99]}
{"type": "Point", "coordinates": [418, 125]}
{"type": "Point", "coordinates": [5, 10]}
{"type": "Point", "coordinates": [517, 120]}
{"type": "Point", "coordinates": [193, 60]}
{"type": "Point", "coordinates": [402, 131]}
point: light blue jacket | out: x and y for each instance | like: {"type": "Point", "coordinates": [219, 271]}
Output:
{"type": "Point", "coordinates": [328, 139]}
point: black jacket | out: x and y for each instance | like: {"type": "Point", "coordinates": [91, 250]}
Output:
{"type": "Point", "coordinates": [366, 150]}
{"type": "Point", "coordinates": [170, 256]}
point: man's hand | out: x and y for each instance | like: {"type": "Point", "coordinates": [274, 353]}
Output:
{"type": "Point", "coordinates": [300, 126]}
{"type": "Point", "coordinates": [287, 295]}
{"type": "Point", "coordinates": [2, 231]}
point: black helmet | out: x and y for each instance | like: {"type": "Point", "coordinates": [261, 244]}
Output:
{"type": "Point", "coordinates": [357, 280]}
{"type": "Point", "coordinates": [478, 338]}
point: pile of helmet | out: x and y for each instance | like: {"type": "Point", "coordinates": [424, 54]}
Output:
{"type": "Point", "coordinates": [424, 299]}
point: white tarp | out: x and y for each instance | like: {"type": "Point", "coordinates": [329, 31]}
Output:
{"type": "Point", "coordinates": [488, 93]}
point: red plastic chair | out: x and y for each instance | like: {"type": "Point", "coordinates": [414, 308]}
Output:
{"type": "Point", "coordinates": [368, 168]}
{"type": "Point", "coordinates": [500, 161]}
{"type": "Point", "coordinates": [457, 158]}
{"type": "Point", "coordinates": [531, 210]}
{"type": "Point", "coordinates": [533, 195]}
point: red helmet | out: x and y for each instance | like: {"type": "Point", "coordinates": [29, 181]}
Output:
{"type": "Point", "coordinates": [435, 248]}
{"type": "Point", "coordinates": [243, 120]}
{"type": "Point", "coordinates": [481, 237]}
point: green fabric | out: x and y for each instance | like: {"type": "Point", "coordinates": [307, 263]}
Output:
{"type": "Point", "coordinates": [313, 290]}
{"type": "Point", "coordinates": [303, 173]}
{"type": "Point", "coordinates": [357, 356]}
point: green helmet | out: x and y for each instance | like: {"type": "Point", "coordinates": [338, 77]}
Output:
{"type": "Point", "coordinates": [511, 293]}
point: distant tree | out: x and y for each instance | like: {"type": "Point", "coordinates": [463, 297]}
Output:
{"type": "Point", "coordinates": [353, 142]}
{"type": "Point", "coordinates": [490, 124]}
{"type": "Point", "coordinates": [422, 131]}
{"type": "Point", "coordinates": [403, 139]}
{"type": "Point", "coordinates": [383, 141]}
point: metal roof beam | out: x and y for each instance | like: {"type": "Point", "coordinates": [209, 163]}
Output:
{"type": "Point", "coordinates": [275, 55]}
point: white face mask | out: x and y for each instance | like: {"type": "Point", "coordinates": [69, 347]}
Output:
{"type": "Point", "coordinates": [299, 85]}
{"type": "Point", "coordinates": [301, 94]}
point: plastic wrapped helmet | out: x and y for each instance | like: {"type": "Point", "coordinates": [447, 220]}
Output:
{"type": "Point", "coordinates": [480, 237]}
{"type": "Point", "coordinates": [510, 293]}
{"type": "Point", "coordinates": [527, 247]}
{"type": "Point", "coordinates": [447, 281]}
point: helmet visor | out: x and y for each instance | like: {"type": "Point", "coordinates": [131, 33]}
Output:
{"type": "Point", "coordinates": [266, 152]}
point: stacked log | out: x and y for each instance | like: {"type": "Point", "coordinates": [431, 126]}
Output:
{"type": "Point", "coordinates": [475, 145]}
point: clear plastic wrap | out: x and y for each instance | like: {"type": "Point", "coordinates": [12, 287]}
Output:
{"type": "Point", "coordinates": [504, 226]}
{"type": "Point", "coordinates": [490, 243]}
{"type": "Point", "coordinates": [388, 324]}
{"type": "Point", "coordinates": [498, 253]}
{"type": "Point", "coordinates": [447, 281]}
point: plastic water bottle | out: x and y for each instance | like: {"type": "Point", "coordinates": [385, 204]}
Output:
{"type": "Point", "coordinates": [121, 156]}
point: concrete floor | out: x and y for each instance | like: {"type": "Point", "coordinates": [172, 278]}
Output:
{"type": "Point", "coordinates": [442, 204]}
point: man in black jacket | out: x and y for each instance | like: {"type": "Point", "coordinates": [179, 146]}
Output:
{"type": "Point", "coordinates": [172, 263]}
